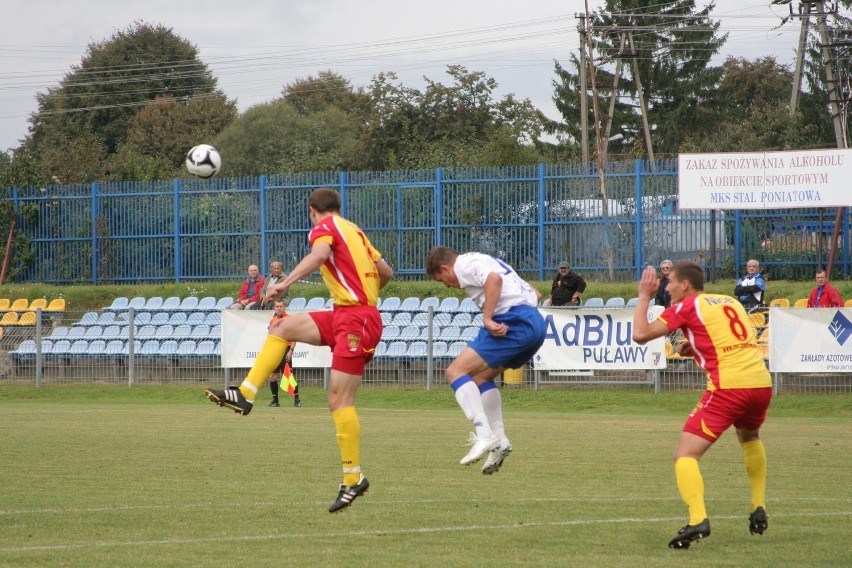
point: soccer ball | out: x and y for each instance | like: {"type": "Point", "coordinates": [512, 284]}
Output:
{"type": "Point", "coordinates": [204, 161]}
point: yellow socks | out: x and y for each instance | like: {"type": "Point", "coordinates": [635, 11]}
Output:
{"type": "Point", "coordinates": [691, 487]}
{"type": "Point", "coordinates": [349, 440]}
{"type": "Point", "coordinates": [755, 463]}
{"type": "Point", "coordinates": [267, 361]}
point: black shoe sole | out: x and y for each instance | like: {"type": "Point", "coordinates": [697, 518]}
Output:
{"type": "Point", "coordinates": [758, 526]}
{"type": "Point", "coordinates": [216, 400]}
{"type": "Point", "coordinates": [349, 504]}
{"type": "Point", "coordinates": [681, 542]}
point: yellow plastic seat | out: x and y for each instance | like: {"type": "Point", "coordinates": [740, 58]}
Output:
{"type": "Point", "coordinates": [779, 303]}
{"type": "Point", "coordinates": [28, 318]}
{"type": "Point", "coordinates": [801, 303]}
{"type": "Point", "coordinates": [19, 305]}
{"type": "Point", "coordinates": [9, 318]}
{"type": "Point", "coordinates": [36, 304]}
{"type": "Point", "coordinates": [4, 304]}
{"type": "Point", "coordinates": [56, 305]}
{"type": "Point", "coordinates": [848, 304]}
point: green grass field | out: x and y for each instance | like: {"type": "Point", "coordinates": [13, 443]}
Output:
{"type": "Point", "coordinates": [157, 476]}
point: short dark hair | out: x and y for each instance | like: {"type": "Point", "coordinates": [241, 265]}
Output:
{"type": "Point", "coordinates": [691, 272]}
{"type": "Point", "coordinates": [324, 200]}
{"type": "Point", "coordinates": [438, 257]}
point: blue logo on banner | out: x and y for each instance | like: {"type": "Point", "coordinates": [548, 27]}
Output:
{"type": "Point", "coordinates": [840, 328]}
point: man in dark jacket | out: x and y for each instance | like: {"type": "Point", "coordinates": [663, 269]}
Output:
{"type": "Point", "coordinates": [751, 287]}
{"type": "Point", "coordinates": [567, 287]}
{"type": "Point", "coordinates": [663, 298]}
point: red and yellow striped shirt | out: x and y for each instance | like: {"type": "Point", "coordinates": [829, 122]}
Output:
{"type": "Point", "coordinates": [350, 271]}
{"type": "Point", "coordinates": [723, 339]}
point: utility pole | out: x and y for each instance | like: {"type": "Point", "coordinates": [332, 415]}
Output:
{"type": "Point", "coordinates": [805, 11]}
{"type": "Point", "coordinates": [642, 106]}
{"type": "Point", "coordinates": [584, 91]}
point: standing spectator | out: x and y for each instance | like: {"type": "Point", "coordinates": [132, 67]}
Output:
{"type": "Point", "coordinates": [751, 287]}
{"type": "Point", "coordinates": [250, 292]}
{"type": "Point", "coordinates": [739, 387]}
{"type": "Point", "coordinates": [824, 295]}
{"type": "Point", "coordinates": [567, 286]}
{"type": "Point", "coordinates": [276, 275]}
{"type": "Point", "coordinates": [281, 313]}
{"type": "Point", "coordinates": [354, 272]}
{"type": "Point", "coordinates": [663, 298]}
{"type": "Point", "coordinates": [512, 332]}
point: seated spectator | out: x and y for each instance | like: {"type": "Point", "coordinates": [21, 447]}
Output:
{"type": "Point", "coordinates": [250, 292]}
{"type": "Point", "coordinates": [567, 287]}
{"type": "Point", "coordinates": [663, 298]}
{"type": "Point", "coordinates": [824, 295]}
{"type": "Point", "coordinates": [276, 274]}
{"type": "Point", "coordinates": [751, 287]}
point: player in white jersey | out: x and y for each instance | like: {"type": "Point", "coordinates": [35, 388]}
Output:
{"type": "Point", "coordinates": [512, 332]}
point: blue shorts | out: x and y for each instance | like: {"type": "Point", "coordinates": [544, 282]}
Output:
{"type": "Point", "coordinates": [525, 336]}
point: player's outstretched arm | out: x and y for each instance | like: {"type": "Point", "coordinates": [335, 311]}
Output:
{"type": "Point", "coordinates": [310, 263]}
{"type": "Point", "coordinates": [643, 330]}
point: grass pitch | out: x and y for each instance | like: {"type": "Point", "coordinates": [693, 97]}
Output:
{"type": "Point", "coordinates": [158, 476]}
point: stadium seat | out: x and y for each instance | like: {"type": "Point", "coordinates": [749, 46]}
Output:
{"type": "Point", "coordinates": [177, 318]}
{"type": "Point", "coordinates": [381, 349]}
{"type": "Point", "coordinates": [152, 304]}
{"type": "Point", "coordinates": [430, 302]}
{"type": "Point", "coordinates": [454, 348]}
{"type": "Point", "coordinates": [450, 304]}
{"type": "Point", "coordinates": [317, 303]}
{"type": "Point", "coordinates": [329, 304]}
{"type": "Point", "coordinates": [27, 319]}
{"type": "Point", "coordinates": [396, 349]}
{"type": "Point", "coordinates": [477, 320]}
{"type": "Point", "coordinates": [401, 319]}
{"type": "Point", "coordinates": [223, 303]}
{"type": "Point", "coordinates": [76, 333]}
{"type": "Point", "coordinates": [801, 303]}
{"type": "Point", "coordinates": [187, 348]}
{"type": "Point", "coordinates": [97, 348]}
{"type": "Point", "coordinates": [390, 304]}
{"type": "Point", "coordinates": [142, 318]}
{"type": "Point", "coordinates": [387, 318]}
{"type": "Point", "coordinates": [60, 349]}
{"type": "Point", "coordinates": [206, 304]}
{"type": "Point", "coordinates": [136, 345]}
{"type": "Point", "coordinates": [298, 303]}
{"type": "Point", "coordinates": [215, 332]}
{"type": "Point", "coordinates": [469, 333]}
{"type": "Point", "coordinates": [160, 318]}
{"type": "Point", "coordinates": [173, 303]}
{"type": "Point", "coordinates": [113, 348]}
{"type": "Point", "coordinates": [463, 319]}
{"type": "Point", "coordinates": [468, 305]}
{"type": "Point", "coordinates": [112, 332]}
{"type": "Point", "coordinates": [150, 348]}
{"type": "Point", "coordinates": [615, 302]}
{"type": "Point", "coordinates": [137, 303]}
{"type": "Point", "coordinates": [417, 349]}
{"type": "Point", "coordinates": [410, 304]}
{"type": "Point", "coordinates": [188, 304]}
{"type": "Point", "coordinates": [106, 318]}
{"type": "Point", "coordinates": [201, 331]}
{"type": "Point", "coordinates": [26, 350]}
{"type": "Point", "coordinates": [164, 331]}
{"type": "Point", "coordinates": [213, 318]}
{"type": "Point", "coordinates": [420, 318]}
{"type": "Point", "coordinates": [118, 305]}
{"type": "Point", "coordinates": [38, 303]}
{"type": "Point", "coordinates": [89, 318]}
{"type": "Point", "coordinates": [439, 349]}
{"type": "Point", "coordinates": [205, 349]}
{"type": "Point", "coordinates": [758, 320]}
{"type": "Point", "coordinates": [424, 332]}
{"type": "Point", "coordinates": [94, 332]}
{"type": "Point", "coordinates": [632, 302]}
{"type": "Point", "coordinates": [19, 305]}
{"type": "Point", "coordinates": [594, 303]}
{"type": "Point", "coordinates": [195, 318]}
{"type": "Point", "coordinates": [60, 332]}
{"type": "Point", "coordinates": [390, 332]}
{"type": "Point", "coordinates": [848, 304]}
{"type": "Point", "coordinates": [183, 331]}
{"type": "Point", "coordinates": [146, 332]}
{"type": "Point", "coordinates": [779, 303]}
{"type": "Point", "coordinates": [79, 348]}
{"type": "Point", "coordinates": [450, 333]}
{"type": "Point", "coordinates": [4, 304]}
{"type": "Point", "coordinates": [409, 332]}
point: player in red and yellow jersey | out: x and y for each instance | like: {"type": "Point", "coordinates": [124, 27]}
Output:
{"type": "Point", "coordinates": [739, 388]}
{"type": "Point", "coordinates": [354, 272]}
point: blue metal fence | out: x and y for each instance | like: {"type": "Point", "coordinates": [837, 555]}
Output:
{"type": "Point", "coordinates": [531, 216]}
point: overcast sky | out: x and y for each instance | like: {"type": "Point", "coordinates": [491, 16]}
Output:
{"type": "Point", "coordinates": [255, 47]}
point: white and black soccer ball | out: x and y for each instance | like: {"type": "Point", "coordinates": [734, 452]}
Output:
{"type": "Point", "coordinates": [204, 161]}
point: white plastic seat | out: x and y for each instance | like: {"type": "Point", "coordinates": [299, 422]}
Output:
{"type": "Point", "coordinates": [410, 304]}
{"type": "Point", "coordinates": [317, 303]}
{"type": "Point", "coordinates": [297, 303]}
{"type": "Point", "coordinates": [615, 302]}
{"type": "Point", "coordinates": [594, 303]}
{"type": "Point", "coordinates": [390, 304]}
{"type": "Point", "coordinates": [450, 304]}
{"type": "Point", "coordinates": [468, 305]}
{"type": "Point", "coordinates": [152, 304]}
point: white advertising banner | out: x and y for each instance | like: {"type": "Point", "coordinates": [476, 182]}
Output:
{"type": "Point", "coordinates": [244, 332]}
{"type": "Point", "coordinates": [765, 180]}
{"type": "Point", "coordinates": [580, 339]}
{"type": "Point", "coordinates": [810, 340]}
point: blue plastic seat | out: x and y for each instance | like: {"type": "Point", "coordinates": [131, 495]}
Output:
{"type": "Point", "coordinates": [215, 332]}
{"type": "Point", "coordinates": [390, 332]}
{"type": "Point", "coordinates": [387, 318]}
{"type": "Point", "coordinates": [137, 348]}
{"type": "Point", "coordinates": [97, 348]}
{"type": "Point", "coordinates": [430, 302]}
{"type": "Point", "coordinates": [632, 301]}
{"type": "Point", "coordinates": [409, 332]}
{"type": "Point", "coordinates": [381, 349]}
{"type": "Point", "coordinates": [113, 348]}
{"type": "Point", "coordinates": [615, 302]}
{"type": "Point", "coordinates": [76, 333]}
{"type": "Point", "coordinates": [213, 318]}
{"type": "Point", "coordinates": [420, 318]}
{"type": "Point", "coordinates": [146, 332]}
{"type": "Point", "coordinates": [152, 304]}
{"type": "Point", "coordinates": [462, 319]}
{"type": "Point", "coordinates": [173, 303]}
{"type": "Point", "coordinates": [177, 318]}
{"type": "Point", "coordinates": [60, 349]}
{"type": "Point", "coordinates": [137, 303]}
{"type": "Point", "coordinates": [390, 304]}
{"type": "Point", "coordinates": [206, 304]}
{"type": "Point", "coordinates": [94, 332]}
{"type": "Point", "coordinates": [439, 349]}
{"type": "Point", "coordinates": [160, 318]}
{"type": "Point", "coordinates": [410, 304]}
{"type": "Point", "coordinates": [223, 303]}
{"type": "Point", "coordinates": [454, 348]}
{"type": "Point", "coordinates": [106, 318]}
{"type": "Point", "coordinates": [168, 348]}
{"type": "Point", "coordinates": [450, 333]}
{"type": "Point", "coordinates": [79, 348]}
{"type": "Point", "coordinates": [477, 320]}
{"type": "Point", "coordinates": [442, 318]}
{"type": "Point", "coordinates": [297, 303]}
{"type": "Point", "coordinates": [450, 304]}
{"type": "Point", "coordinates": [417, 349]}
{"type": "Point", "coordinates": [200, 331]}
{"type": "Point", "coordinates": [26, 350]}
{"type": "Point", "coordinates": [118, 304]}
{"type": "Point", "coordinates": [164, 331]}
{"type": "Point", "coordinates": [89, 318]}
{"type": "Point", "coordinates": [142, 318]}
{"type": "Point", "coordinates": [594, 303]}
{"type": "Point", "coordinates": [183, 331]}
{"type": "Point", "coordinates": [317, 303]}
{"type": "Point", "coordinates": [186, 348]}
{"type": "Point", "coordinates": [396, 349]}
{"type": "Point", "coordinates": [424, 332]}
{"type": "Point", "coordinates": [205, 349]}
{"type": "Point", "coordinates": [469, 333]}
{"type": "Point", "coordinates": [468, 305]}
{"type": "Point", "coordinates": [149, 349]}
{"type": "Point", "coordinates": [329, 304]}
{"type": "Point", "coordinates": [188, 304]}
{"type": "Point", "coordinates": [196, 318]}
{"type": "Point", "coordinates": [401, 319]}
{"type": "Point", "coordinates": [59, 332]}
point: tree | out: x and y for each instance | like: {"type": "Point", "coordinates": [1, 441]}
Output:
{"type": "Point", "coordinates": [98, 100]}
